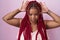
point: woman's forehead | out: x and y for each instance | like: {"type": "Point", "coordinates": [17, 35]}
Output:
{"type": "Point", "coordinates": [33, 10]}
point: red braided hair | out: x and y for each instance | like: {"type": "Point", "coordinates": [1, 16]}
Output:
{"type": "Point", "coordinates": [25, 24]}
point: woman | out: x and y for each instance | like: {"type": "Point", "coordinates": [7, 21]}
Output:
{"type": "Point", "coordinates": [32, 26]}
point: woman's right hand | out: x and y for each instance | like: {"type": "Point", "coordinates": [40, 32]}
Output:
{"type": "Point", "coordinates": [24, 5]}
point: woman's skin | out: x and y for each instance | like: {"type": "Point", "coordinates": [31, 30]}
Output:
{"type": "Point", "coordinates": [33, 17]}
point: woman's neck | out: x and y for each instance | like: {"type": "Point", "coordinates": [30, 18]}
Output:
{"type": "Point", "coordinates": [34, 27]}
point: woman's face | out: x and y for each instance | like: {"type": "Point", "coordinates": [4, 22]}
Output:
{"type": "Point", "coordinates": [33, 15]}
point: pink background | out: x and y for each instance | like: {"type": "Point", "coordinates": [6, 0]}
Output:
{"type": "Point", "coordinates": [8, 32]}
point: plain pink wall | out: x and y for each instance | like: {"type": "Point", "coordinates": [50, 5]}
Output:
{"type": "Point", "coordinates": [8, 32]}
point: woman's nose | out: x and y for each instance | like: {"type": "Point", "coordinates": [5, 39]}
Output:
{"type": "Point", "coordinates": [33, 16]}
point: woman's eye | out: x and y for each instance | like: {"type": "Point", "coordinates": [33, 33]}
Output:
{"type": "Point", "coordinates": [36, 14]}
{"type": "Point", "coordinates": [30, 14]}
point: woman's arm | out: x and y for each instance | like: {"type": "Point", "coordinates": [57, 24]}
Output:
{"type": "Point", "coordinates": [50, 23]}
{"type": "Point", "coordinates": [9, 18]}
{"type": "Point", "coordinates": [53, 23]}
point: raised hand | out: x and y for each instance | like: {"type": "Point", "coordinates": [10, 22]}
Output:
{"type": "Point", "coordinates": [44, 7]}
{"type": "Point", "coordinates": [24, 5]}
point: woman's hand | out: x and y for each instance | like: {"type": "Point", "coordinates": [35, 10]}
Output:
{"type": "Point", "coordinates": [44, 7]}
{"type": "Point", "coordinates": [23, 7]}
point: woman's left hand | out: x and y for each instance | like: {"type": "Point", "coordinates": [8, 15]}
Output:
{"type": "Point", "coordinates": [44, 7]}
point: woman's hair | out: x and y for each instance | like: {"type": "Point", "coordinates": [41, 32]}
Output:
{"type": "Point", "coordinates": [25, 25]}
{"type": "Point", "coordinates": [33, 4]}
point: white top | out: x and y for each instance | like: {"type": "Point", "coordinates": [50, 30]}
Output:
{"type": "Point", "coordinates": [33, 36]}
